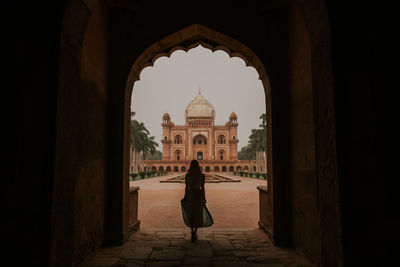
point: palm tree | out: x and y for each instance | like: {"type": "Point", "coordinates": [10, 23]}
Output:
{"type": "Point", "coordinates": [258, 142]}
{"type": "Point", "coordinates": [263, 126]}
{"type": "Point", "coordinates": [148, 146]}
{"type": "Point", "coordinates": [141, 143]}
{"type": "Point", "coordinates": [137, 137]}
{"type": "Point", "coordinates": [263, 117]}
{"type": "Point", "coordinates": [247, 153]}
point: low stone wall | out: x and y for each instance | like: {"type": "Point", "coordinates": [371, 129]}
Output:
{"type": "Point", "coordinates": [265, 222]}
{"type": "Point", "coordinates": [134, 223]}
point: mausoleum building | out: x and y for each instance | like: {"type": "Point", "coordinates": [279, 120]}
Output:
{"type": "Point", "coordinates": [214, 146]}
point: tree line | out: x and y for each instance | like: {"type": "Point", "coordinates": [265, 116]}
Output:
{"type": "Point", "coordinates": [257, 145]}
{"type": "Point", "coordinates": [142, 146]}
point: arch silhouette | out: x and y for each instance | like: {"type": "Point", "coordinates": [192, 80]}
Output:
{"type": "Point", "coordinates": [317, 25]}
{"type": "Point", "coordinates": [186, 39]}
{"type": "Point", "coordinates": [196, 34]}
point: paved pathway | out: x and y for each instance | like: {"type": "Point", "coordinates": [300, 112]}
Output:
{"type": "Point", "coordinates": [232, 205]}
{"type": "Point", "coordinates": [163, 239]}
{"type": "Point", "coordinates": [215, 247]}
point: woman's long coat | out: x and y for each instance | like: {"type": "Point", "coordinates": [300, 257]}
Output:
{"type": "Point", "coordinates": [195, 198]}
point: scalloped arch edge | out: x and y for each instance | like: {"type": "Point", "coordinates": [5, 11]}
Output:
{"type": "Point", "coordinates": [194, 36]}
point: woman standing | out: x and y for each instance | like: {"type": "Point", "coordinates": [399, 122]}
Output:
{"type": "Point", "coordinates": [194, 210]}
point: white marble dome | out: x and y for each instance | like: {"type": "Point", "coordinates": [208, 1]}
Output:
{"type": "Point", "coordinates": [199, 107]}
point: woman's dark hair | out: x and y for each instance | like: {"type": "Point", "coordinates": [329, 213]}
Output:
{"type": "Point", "coordinates": [194, 166]}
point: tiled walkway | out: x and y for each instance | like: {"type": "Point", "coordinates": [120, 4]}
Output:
{"type": "Point", "coordinates": [214, 247]}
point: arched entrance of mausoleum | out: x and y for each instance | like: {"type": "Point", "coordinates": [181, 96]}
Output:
{"type": "Point", "coordinates": [95, 61]}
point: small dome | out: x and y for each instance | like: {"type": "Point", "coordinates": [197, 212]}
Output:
{"type": "Point", "coordinates": [200, 107]}
{"type": "Point", "coordinates": [166, 116]}
{"type": "Point", "coordinates": [233, 116]}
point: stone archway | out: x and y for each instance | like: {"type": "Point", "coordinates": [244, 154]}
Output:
{"type": "Point", "coordinates": [193, 36]}
{"type": "Point", "coordinates": [95, 73]}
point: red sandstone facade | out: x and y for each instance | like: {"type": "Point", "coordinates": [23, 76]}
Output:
{"type": "Point", "coordinates": [214, 146]}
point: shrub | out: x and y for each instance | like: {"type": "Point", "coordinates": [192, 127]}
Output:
{"type": "Point", "coordinates": [142, 174]}
{"type": "Point", "coordinates": [149, 174]}
{"type": "Point", "coordinates": [133, 175]}
{"type": "Point", "coordinates": [264, 175]}
{"type": "Point", "coordinates": [257, 174]}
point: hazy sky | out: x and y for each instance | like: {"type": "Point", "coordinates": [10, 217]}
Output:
{"type": "Point", "coordinates": [173, 82]}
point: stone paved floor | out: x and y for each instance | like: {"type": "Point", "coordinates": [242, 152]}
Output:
{"type": "Point", "coordinates": [214, 247]}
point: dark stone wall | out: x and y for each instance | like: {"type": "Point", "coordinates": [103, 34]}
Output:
{"type": "Point", "coordinates": [80, 161]}
{"type": "Point", "coordinates": [364, 78]}
{"type": "Point", "coordinates": [303, 162]}
{"type": "Point", "coordinates": [30, 56]}
{"type": "Point", "coordinates": [365, 70]}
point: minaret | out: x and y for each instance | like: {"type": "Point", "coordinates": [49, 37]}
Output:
{"type": "Point", "coordinates": [166, 139]}
{"type": "Point", "coordinates": [233, 140]}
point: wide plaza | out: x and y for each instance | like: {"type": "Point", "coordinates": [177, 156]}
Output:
{"type": "Point", "coordinates": [232, 204]}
